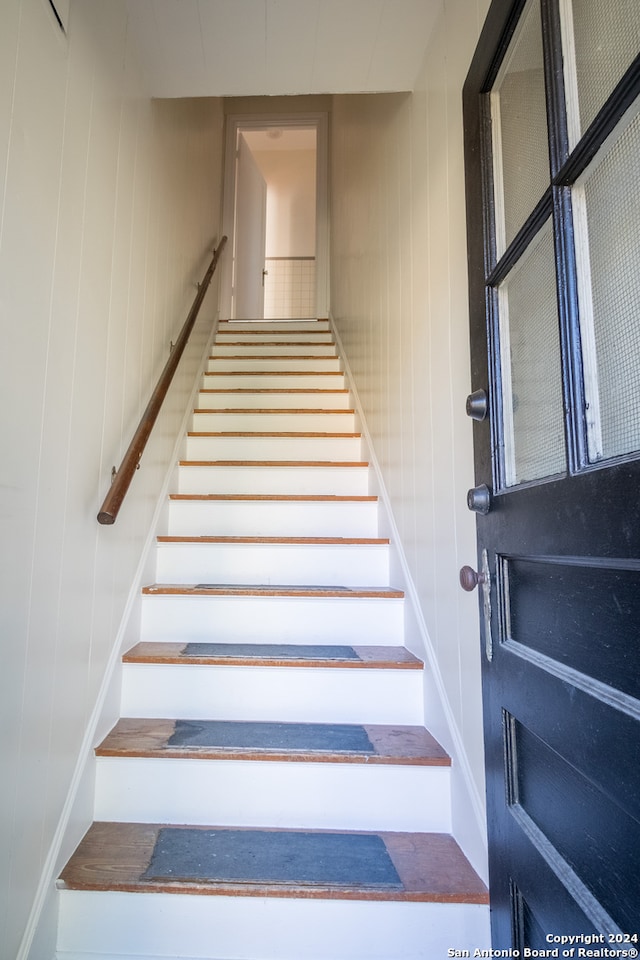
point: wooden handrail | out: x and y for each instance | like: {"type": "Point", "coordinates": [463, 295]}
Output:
{"type": "Point", "coordinates": [122, 478]}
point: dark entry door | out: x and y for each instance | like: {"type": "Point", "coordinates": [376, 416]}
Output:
{"type": "Point", "coordinates": [552, 148]}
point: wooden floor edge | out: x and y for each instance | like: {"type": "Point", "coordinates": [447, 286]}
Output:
{"type": "Point", "coordinates": [273, 373]}
{"type": "Point", "coordinates": [283, 891]}
{"type": "Point", "coordinates": [294, 541]}
{"type": "Point", "coordinates": [269, 434]}
{"type": "Point", "coordinates": [251, 411]}
{"type": "Point", "coordinates": [279, 497]}
{"type": "Point", "coordinates": [251, 755]}
{"type": "Point", "coordinates": [222, 661]}
{"type": "Point", "coordinates": [273, 463]}
{"type": "Point", "coordinates": [257, 590]}
{"type": "Point", "coordinates": [369, 658]}
{"type": "Point", "coordinates": [275, 390]}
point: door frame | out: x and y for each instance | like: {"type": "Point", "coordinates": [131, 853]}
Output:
{"type": "Point", "coordinates": [586, 519]}
{"type": "Point", "coordinates": [236, 123]}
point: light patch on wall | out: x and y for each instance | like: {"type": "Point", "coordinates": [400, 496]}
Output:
{"type": "Point", "coordinates": [61, 12]}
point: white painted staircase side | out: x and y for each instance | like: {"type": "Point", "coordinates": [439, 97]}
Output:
{"type": "Point", "coordinates": [271, 539]}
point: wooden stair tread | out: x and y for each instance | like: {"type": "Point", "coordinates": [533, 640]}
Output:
{"type": "Point", "coordinates": [269, 655]}
{"type": "Point", "coordinates": [270, 333]}
{"type": "Point", "coordinates": [271, 373]}
{"type": "Point", "coordinates": [270, 590]}
{"type": "Point", "coordinates": [288, 324]}
{"type": "Point", "coordinates": [392, 745]}
{"type": "Point", "coordinates": [333, 541]}
{"type": "Point", "coordinates": [306, 498]}
{"type": "Point", "coordinates": [431, 868]}
{"type": "Point", "coordinates": [258, 434]}
{"type": "Point", "coordinates": [250, 411]}
{"type": "Point", "coordinates": [259, 334]}
{"type": "Point", "coordinates": [261, 390]}
{"type": "Point", "coordinates": [274, 463]}
{"type": "Point", "coordinates": [277, 343]}
{"type": "Point", "coordinates": [308, 358]}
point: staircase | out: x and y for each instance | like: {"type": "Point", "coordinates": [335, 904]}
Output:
{"type": "Point", "coordinates": [270, 791]}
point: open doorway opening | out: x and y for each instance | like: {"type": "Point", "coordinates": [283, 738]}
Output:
{"type": "Point", "coordinates": [286, 158]}
{"type": "Point", "coordinates": [275, 216]}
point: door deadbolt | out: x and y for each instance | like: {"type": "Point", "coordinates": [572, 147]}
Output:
{"type": "Point", "coordinates": [479, 499]}
{"type": "Point", "coordinates": [477, 405]}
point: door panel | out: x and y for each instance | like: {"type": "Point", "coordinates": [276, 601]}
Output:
{"type": "Point", "coordinates": [250, 236]}
{"type": "Point", "coordinates": [519, 128]}
{"type": "Point", "coordinates": [601, 41]}
{"type": "Point", "coordinates": [540, 600]}
{"type": "Point", "coordinates": [608, 201]}
{"type": "Point", "coordinates": [531, 374]}
{"type": "Point", "coordinates": [554, 262]}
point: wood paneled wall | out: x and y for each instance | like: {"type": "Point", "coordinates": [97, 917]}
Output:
{"type": "Point", "coordinates": [109, 206]}
{"type": "Point", "coordinates": [399, 300]}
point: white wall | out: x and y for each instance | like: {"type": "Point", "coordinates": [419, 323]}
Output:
{"type": "Point", "coordinates": [109, 204]}
{"type": "Point", "coordinates": [291, 201]}
{"type": "Point", "coordinates": [399, 300]}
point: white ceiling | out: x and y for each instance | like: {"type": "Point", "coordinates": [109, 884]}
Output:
{"type": "Point", "coordinates": [193, 48]}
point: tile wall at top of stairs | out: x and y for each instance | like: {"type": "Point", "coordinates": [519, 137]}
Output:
{"type": "Point", "coordinates": [271, 691]}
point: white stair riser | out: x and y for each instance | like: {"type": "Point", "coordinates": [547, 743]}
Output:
{"type": "Point", "coordinates": [273, 518]}
{"type": "Point", "coordinates": [300, 336]}
{"type": "Point", "coordinates": [230, 399]}
{"type": "Point", "coordinates": [273, 619]}
{"type": "Point", "coordinates": [338, 796]}
{"type": "Point", "coordinates": [320, 564]}
{"type": "Point", "coordinates": [277, 364]}
{"type": "Point", "coordinates": [274, 326]}
{"type": "Point", "coordinates": [277, 422]}
{"type": "Point", "coordinates": [118, 926]}
{"type": "Point", "coordinates": [280, 348]}
{"type": "Point", "coordinates": [340, 481]}
{"type": "Point", "coordinates": [273, 448]}
{"type": "Point", "coordinates": [283, 694]}
{"type": "Point", "coordinates": [273, 381]}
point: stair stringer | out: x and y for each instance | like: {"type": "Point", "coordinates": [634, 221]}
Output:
{"type": "Point", "coordinates": [77, 813]}
{"type": "Point", "coordinates": [468, 809]}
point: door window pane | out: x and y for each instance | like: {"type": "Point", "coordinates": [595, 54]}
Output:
{"type": "Point", "coordinates": [601, 40]}
{"type": "Point", "coordinates": [607, 208]}
{"type": "Point", "coordinates": [533, 418]}
{"type": "Point", "coordinates": [519, 125]}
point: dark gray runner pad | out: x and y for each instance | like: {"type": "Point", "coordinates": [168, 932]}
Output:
{"type": "Point", "coordinates": [261, 856]}
{"type": "Point", "coordinates": [274, 651]}
{"type": "Point", "coordinates": [268, 587]}
{"type": "Point", "coordinates": [332, 737]}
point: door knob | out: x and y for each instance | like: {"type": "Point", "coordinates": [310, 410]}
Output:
{"type": "Point", "coordinates": [470, 578]}
{"type": "Point", "coordinates": [479, 499]}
